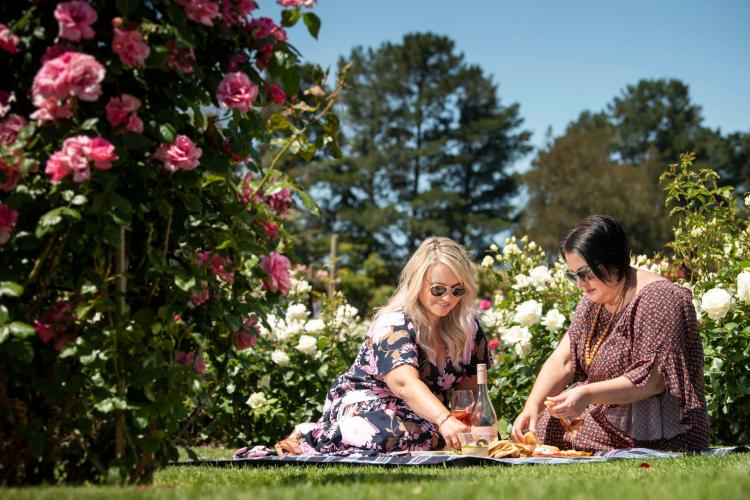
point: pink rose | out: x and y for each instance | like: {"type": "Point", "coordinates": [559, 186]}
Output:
{"type": "Point", "coordinates": [270, 228]}
{"type": "Point", "coordinates": [8, 218]}
{"type": "Point", "coordinates": [494, 344]}
{"type": "Point", "coordinates": [280, 202]}
{"type": "Point", "coordinates": [50, 109]}
{"type": "Point", "coordinates": [264, 27]}
{"type": "Point", "coordinates": [236, 91]}
{"type": "Point", "coordinates": [74, 157]}
{"type": "Point", "coordinates": [485, 304]}
{"type": "Point", "coordinates": [70, 74]}
{"type": "Point", "coordinates": [200, 11]}
{"type": "Point", "coordinates": [297, 3]}
{"type": "Point", "coordinates": [178, 59]}
{"type": "Point", "coordinates": [10, 174]}
{"type": "Point", "coordinates": [128, 44]}
{"type": "Point", "coordinates": [54, 51]}
{"type": "Point", "coordinates": [203, 296]}
{"type": "Point", "coordinates": [102, 153]}
{"type": "Point", "coordinates": [43, 331]}
{"type": "Point", "coordinates": [9, 129]}
{"type": "Point", "coordinates": [236, 61]}
{"type": "Point", "coordinates": [8, 41]}
{"type": "Point", "coordinates": [243, 340]}
{"type": "Point", "coordinates": [75, 19]}
{"type": "Point", "coordinates": [189, 358]}
{"type": "Point", "coordinates": [275, 94]}
{"type": "Point", "coordinates": [121, 113]}
{"type": "Point", "coordinates": [277, 267]}
{"type": "Point", "coordinates": [236, 11]}
{"type": "Point", "coordinates": [181, 154]}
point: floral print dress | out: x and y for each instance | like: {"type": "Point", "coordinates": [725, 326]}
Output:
{"type": "Point", "coordinates": [361, 412]}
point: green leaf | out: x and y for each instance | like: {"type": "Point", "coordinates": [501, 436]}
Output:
{"type": "Point", "coordinates": [3, 314]}
{"type": "Point", "coordinates": [313, 24]}
{"type": "Point", "coordinates": [79, 199]}
{"type": "Point", "coordinates": [89, 124]}
{"type": "Point", "coordinates": [88, 288]}
{"type": "Point", "coordinates": [110, 404]}
{"type": "Point", "coordinates": [290, 81]}
{"type": "Point", "coordinates": [135, 141]}
{"type": "Point", "coordinates": [183, 283]}
{"type": "Point", "coordinates": [4, 334]}
{"type": "Point", "coordinates": [52, 218]}
{"type": "Point", "coordinates": [290, 17]}
{"type": "Point", "coordinates": [167, 132]}
{"type": "Point", "coordinates": [10, 288]}
{"type": "Point", "coordinates": [278, 122]}
{"type": "Point", "coordinates": [308, 202]}
{"type": "Point", "coordinates": [22, 330]}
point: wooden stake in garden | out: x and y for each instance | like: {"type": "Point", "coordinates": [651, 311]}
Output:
{"type": "Point", "coordinates": [333, 258]}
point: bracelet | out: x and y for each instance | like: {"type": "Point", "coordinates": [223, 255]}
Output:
{"type": "Point", "coordinates": [444, 420]}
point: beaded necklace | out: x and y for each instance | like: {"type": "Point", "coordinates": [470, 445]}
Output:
{"type": "Point", "coordinates": [588, 352]}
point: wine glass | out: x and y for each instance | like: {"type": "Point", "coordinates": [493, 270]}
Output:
{"type": "Point", "coordinates": [461, 405]}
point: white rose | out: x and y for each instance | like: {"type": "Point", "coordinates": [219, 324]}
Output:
{"type": "Point", "coordinates": [743, 286]}
{"type": "Point", "coordinates": [522, 281]}
{"type": "Point", "coordinates": [528, 313]}
{"type": "Point", "coordinates": [296, 312]}
{"type": "Point", "coordinates": [487, 261]}
{"type": "Point", "coordinates": [747, 200]}
{"type": "Point", "coordinates": [307, 344]}
{"type": "Point", "coordinates": [696, 232]}
{"type": "Point", "coordinates": [515, 335]}
{"type": "Point", "coordinates": [554, 320]}
{"type": "Point", "coordinates": [522, 349]}
{"type": "Point", "coordinates": [716, 303]}
{"type": "Point", "coordinates": [540, 276]}
{"type": "Point", "coordinates": [315, 326]}
{"type": "Point", "coordinates": [280, 358]}
{"type": "Point", "coordinates": [256, 400]}
{"type": "Point", "coordinates": [293, 328]}
{"type": "Point", "coordinates": [494, 248]}
{"type": "Point", "coordinates": [299, 288]}
{"type": "Point", "coordinates": [511, 249]}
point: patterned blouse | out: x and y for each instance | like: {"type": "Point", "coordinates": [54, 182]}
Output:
{"type": "Point", "coordinates": [657, 328]}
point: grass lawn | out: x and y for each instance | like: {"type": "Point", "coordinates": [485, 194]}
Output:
{"type": "Point", "coordinates": [681, 478]}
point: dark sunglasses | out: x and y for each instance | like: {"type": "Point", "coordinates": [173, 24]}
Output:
{"type": "Point", "coordinates": [440, 290]}
{"type": "Point", "coordinates": [584, 274]}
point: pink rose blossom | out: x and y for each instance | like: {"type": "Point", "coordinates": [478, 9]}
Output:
{"type": "Point", "coordinates": [243, 340]}
{"type": "Point", "coordinates": [297, 3]}
{"type": "Point", "coordinates": [75, 19]}
{"type": "Point", "coordinates": [75, 155]}
{"type": "Point", "coordinates": [236, 11]}
{"type": "Point", "coordinates": [280, 202]}
{"type": "Point", "coordinates": [128, 44]}
{"type": "Point", "coordinates": [50, 109]}
{"type": "Point", "coordinates": [181, 154]}
{"type": "Point", "coordinates": [10, 127]}
{"type": "Point", "coordinates": [275, 94]}
{"type": "Point", "coordinates": [121, 113]}
{"type": "Point", "coordinates": [54, 51]}
{"type": "Point", "coordinates": [494, 344]}
{"type": "Point", "coordinates": [57, 324]}
{"type": "Point", "coordinates": [203, 296]}
{"type": "Point", "coordinates": [8, 41]}
{"type": "Point", "coordinates": [84, 74]}
{"type": "Point", "coordinates": [200, 11]}
{"type": "Point", "coordinates": [277, 267]}
{"type": "Point", "coordinates": [8, 218]}
{"type": "Point", "coordinates": [70, 74]}
{"type": "Point", "coordinates": [43, 331]}
{"type": "Point", "coordinates": [179, 59]}
{"type": "Point", "coordinates": [10, 174]}
{"type": "Point", "coordinates": [176, 318]}
{"type": "Point", "coordinates": [263, 28]}
{"type": "Point", "coordinates": [189, 358]}
{"type": "Point", "coordinates": [236, 91]}
{"type": "Point", "coordinates": [485, 304]}
{"type": "Point", "coordinates": [270, 228]}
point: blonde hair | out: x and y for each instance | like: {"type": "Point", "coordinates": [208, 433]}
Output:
{"type": "Point", "coordinates": [454, 328]}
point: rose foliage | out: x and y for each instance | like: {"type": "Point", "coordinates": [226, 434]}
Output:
{"type": "Point", "coordinates": [142, 232]}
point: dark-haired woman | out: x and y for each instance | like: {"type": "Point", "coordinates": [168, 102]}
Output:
{"type": "Point", "coordinates": [634, 348]}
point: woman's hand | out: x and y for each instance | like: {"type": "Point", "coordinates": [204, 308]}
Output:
{"type": "Point", "coordinates": [450, 429]}
{"type": "Point", "coordinates": [569, 404]}
{"type": "Point", "coordinates": [526, 420]}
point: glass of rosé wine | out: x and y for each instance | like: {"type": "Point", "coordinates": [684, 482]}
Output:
{"type": "Point", "coordinates": [461, 404]}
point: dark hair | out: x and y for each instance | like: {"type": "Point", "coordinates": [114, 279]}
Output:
{"type": "Point", "coordinates": [601, 242]}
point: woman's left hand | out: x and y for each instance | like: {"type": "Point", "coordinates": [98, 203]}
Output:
{"type": "Point", "coordinates": [569, 404]}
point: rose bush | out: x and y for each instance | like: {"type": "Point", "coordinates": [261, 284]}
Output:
{"type": "Point", "coordinates": [141, 221]}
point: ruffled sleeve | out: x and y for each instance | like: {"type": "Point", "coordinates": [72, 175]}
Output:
{"type": "Point", "coordinates": [391, 342]}
{"type": "Point", "coordinates": [665, 334]}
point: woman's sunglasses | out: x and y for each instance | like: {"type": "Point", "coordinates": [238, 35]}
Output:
{"type": "Point", "coordinates": [440, 290]}
{"type": "Point", "coordinates": [584, 274]}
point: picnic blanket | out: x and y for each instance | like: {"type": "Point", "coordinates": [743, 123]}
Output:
{"type": "Point", "coordinates": [243, 457]}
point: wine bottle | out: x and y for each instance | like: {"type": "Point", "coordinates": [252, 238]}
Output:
{"type": "Point", "coordinates": [483, 417]}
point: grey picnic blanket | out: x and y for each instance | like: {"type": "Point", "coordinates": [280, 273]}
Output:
{"type": "Point", "coordinates": [243, 457]}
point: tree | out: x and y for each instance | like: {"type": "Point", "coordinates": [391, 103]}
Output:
{"type": "Point", "coordinates": [427, 150]}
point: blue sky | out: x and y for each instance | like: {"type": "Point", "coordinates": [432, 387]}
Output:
{"type": "Point", "coordinates": [558, 58]}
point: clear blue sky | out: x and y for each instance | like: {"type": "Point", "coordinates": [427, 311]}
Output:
{"type": "Point", "coordinates": [558, 58]}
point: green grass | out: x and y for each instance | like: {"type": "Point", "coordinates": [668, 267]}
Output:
{"type": "Point", "coordinates": [681, 478]}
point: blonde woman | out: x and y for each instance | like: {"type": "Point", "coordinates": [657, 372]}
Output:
{"type": "Point", "coordinates": [422, 343]}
